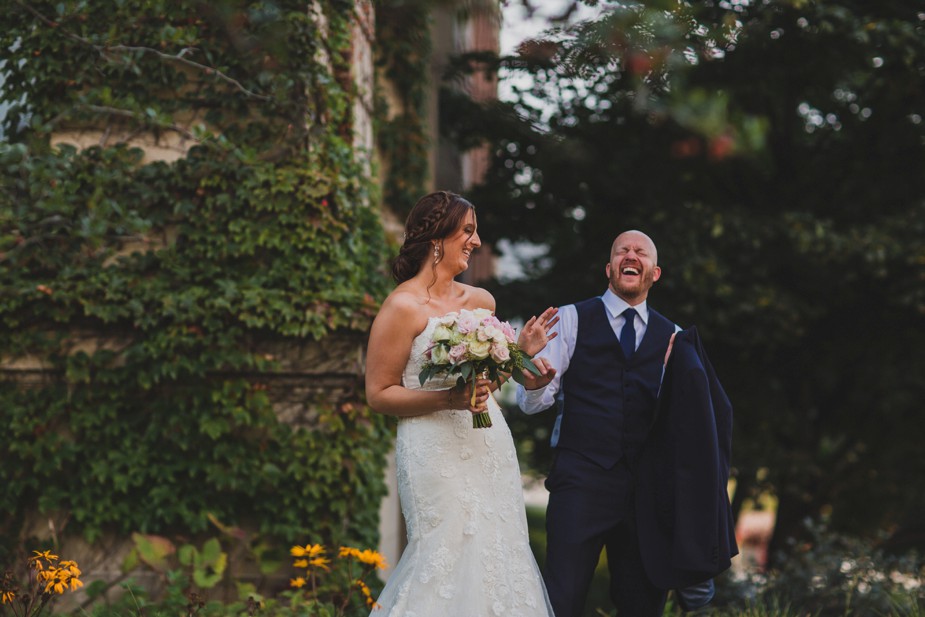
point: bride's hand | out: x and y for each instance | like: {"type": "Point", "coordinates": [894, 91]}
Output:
{"type": "Point", "coordinates": [535, 333]}
{"type": "Point", "coordinates": [534, 382]}
{"type": "Point", "coordinates": [461, 398]}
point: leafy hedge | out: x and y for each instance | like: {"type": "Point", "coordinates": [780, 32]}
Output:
{"type": "Point", "coordinates": [182, 272]}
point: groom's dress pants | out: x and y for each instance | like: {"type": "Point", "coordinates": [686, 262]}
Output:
{"type": "Point", "coordinates": [591, 509]}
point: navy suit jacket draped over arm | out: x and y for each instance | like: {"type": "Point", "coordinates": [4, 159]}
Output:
{"type": "Point", "coordinates": [686, 530]}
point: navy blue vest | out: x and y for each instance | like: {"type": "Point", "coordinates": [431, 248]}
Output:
{"type": "Point", "coordinates": [609, 401]}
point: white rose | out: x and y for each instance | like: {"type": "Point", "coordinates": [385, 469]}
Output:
{"type": "Point", "coordinates": [480, 349]}
{"type": "Point", "coordinates": [448, 320]}
{"type": "Point", "coordinates": [440, 355]}
{"type": "Point", "coordinates": [491, 333]}
{"type": "Point", "coordinates": [441, 333]}
{"type": "Point", "coordinates": [481, 313]}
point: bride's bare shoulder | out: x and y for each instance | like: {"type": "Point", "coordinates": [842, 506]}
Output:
{"type": "Point", "coordinates": [403, 306]}
{"type": "Point", "coordinates": [478, 297]}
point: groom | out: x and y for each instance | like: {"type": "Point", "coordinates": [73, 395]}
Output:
{"type": "Point", "coordinates": [604, 376]}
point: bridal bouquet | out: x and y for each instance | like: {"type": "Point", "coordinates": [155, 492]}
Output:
{"type": "Point", "coordinates": [475, 344]}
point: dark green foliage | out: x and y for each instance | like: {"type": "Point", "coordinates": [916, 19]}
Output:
{"type": "Point", "coordinates": [149, 291]}
{"type": "Point", "coordinates": [403, 55]}
{"type": "Point", "coordinates": [782, 177]}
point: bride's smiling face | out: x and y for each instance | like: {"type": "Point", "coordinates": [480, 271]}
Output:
{"type": "Point", "coordinates": [456, 248]}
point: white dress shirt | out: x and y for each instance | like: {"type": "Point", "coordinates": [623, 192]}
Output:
{"type": "Point", "coordinates": [559, 350]}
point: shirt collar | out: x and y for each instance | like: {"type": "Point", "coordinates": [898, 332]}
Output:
{"type": "Point", "coordinates": [616, 305]}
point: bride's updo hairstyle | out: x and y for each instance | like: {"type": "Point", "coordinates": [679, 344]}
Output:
{"type": "Point", "coordinates": [433, 218]}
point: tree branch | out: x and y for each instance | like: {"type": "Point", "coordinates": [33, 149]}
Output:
{"type": "Point", "coordinates": [134, 115]}
{"type": "Point", "coordinates": [208, 70]}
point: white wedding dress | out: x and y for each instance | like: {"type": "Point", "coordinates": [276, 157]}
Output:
{"type": "Point", "coordinates": [468, 553]}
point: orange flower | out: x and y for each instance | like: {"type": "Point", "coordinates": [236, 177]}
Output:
{"type": "Point", "coordinates": [297, 582]}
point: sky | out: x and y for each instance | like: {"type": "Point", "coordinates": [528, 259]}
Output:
{"type": "Point", "coordinates": [517, 26]}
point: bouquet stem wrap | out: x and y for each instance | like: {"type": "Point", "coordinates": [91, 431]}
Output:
{"type": "Point", "coordinates": [483, 418]}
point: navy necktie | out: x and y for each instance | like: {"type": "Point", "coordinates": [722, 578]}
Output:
{"type": "Point", "coordinates": [628, 333]}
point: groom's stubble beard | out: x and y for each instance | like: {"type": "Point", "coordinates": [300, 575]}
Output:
{"type": "Point", "coordinates": [632, 292]}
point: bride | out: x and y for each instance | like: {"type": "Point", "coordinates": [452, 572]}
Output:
{"type": "Point", "coordinates": [468, 553]}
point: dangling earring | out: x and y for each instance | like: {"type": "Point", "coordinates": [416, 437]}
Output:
{"type": "Point", "coordinates": [436, 254]}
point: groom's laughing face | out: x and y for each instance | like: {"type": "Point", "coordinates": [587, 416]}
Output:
{"type": "Point", "coordinates": [632, 269]}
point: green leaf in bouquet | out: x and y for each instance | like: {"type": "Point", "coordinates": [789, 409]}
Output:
{"type": "Point", "coordinates": [517, 376]}
{"type": "Point", "coordinates": [528, 364]}
{"type": "Point", "coordinates": [426, 372]}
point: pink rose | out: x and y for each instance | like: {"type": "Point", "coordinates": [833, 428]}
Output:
{"type": "Point", "coordinates": [500, 353]}
{"type": "Point", "coordinates": [457, 353]}
{"type": "Point", "coordinates": [491, 320]}
{"type": "Point", "coordinates": [467, 323]}
{"type": "Point", "coordinates": [508, 331]}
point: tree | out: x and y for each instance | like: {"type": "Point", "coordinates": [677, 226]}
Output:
{"type": "Point", "coordinates": [774, 150]}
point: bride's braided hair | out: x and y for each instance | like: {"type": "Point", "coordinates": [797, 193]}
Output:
{"type": "Point", "coordinates": [434, 217]}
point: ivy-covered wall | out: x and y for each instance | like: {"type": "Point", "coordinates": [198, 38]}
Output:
{"type": "Point", "coordinates": [403, 31]}
{"type": "Point", "coordinates": [146, 308]}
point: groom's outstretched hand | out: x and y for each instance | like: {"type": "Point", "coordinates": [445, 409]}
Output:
{"type": "Point", "coordinates": [547, 372]}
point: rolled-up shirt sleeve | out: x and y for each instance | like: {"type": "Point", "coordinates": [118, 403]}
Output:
{"type": "Point", "coordinates": [558, 352]}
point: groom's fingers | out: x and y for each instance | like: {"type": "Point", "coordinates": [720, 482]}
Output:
{"type": "Point", "coordinates": [542, 364]}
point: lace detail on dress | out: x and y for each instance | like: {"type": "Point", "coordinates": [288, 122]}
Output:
{"type": "Point", "coordinates": [468, 553]}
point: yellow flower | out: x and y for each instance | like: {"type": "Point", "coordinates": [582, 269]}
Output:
{"type": "Point", "coordinates": [6, 597]}
{"type": "Point", "coordinates": [320, 562]}
{"type": "Point", "coordinates": [71, 566]}
{"type": "Point", "coordinates": [297, 582]}
{"type": "Point", "coordinates": [315, 549]}
{"type": "Point", "coordinates": [75, 584]}
{"type": "Point", "coordinates": [297, 551]}
{"type": "Point", "coordinates": [369, 557]}
{"type": "Point", "coordinates": [372, 558]}
{"type": "Point", "coordinates": [300, 563]}
{"type": "Point", "coordinates": [364, 588]}
{"type": "Point", "coordinates": [39, 557]}
{"type": "Point", "coordinates": [55, 585]}
{"type": "Point", "coordinates": [310, 550]}
{"type": "Point", "coordinates": [346, 551]}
